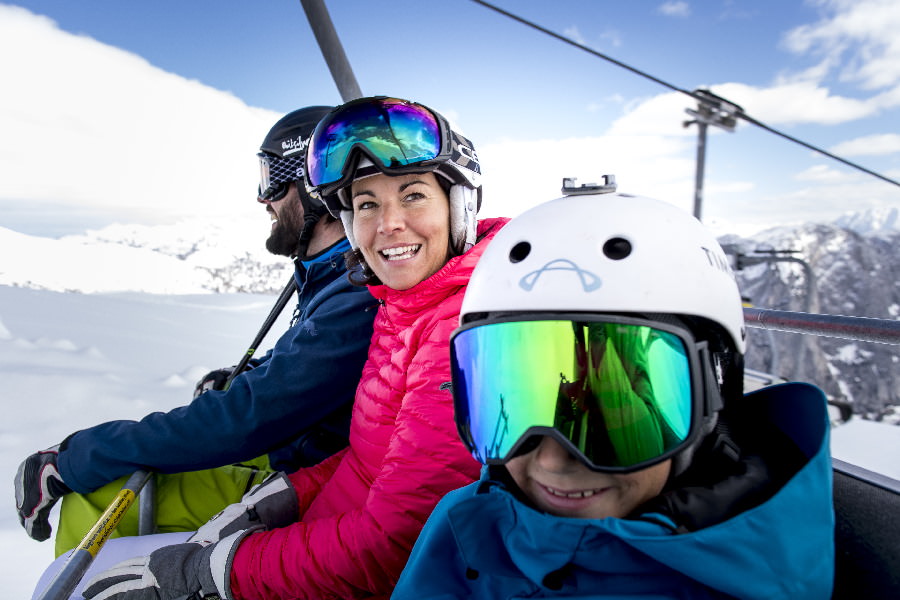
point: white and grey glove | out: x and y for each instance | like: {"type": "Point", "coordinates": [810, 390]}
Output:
{"type": "Point", "coordinates": [273, 503]}
{"type": "Point", "coordinates": [180, 572]}
{"type": "Point", "coordinates": [38, 486]}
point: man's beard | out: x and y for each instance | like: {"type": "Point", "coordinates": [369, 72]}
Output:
{"type": "Point", "coordinates": [285, 235]}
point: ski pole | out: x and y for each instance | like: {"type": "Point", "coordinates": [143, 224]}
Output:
{"type": "Point", "coordinates": [147, 500]}
{"type": "Point", "coordinates": [283, 299]}
{"type": "Point", "coordinates": [63, 584]}
{"type": "Point", "coordinates": [83, 555]}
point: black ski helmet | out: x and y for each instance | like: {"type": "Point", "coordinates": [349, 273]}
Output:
{"type": "Point", "coordinates": [281, 156]}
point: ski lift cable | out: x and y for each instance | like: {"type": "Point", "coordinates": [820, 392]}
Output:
{"type": "Point", "coordinates": [700, 96]}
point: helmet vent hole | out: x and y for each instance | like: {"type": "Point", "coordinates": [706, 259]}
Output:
{"type": "Point", "coordinates": [519, 252]}
{"type": "Point", "coordinates": [617, 248]}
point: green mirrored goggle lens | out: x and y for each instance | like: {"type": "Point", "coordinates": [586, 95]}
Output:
{"type": "Point", "coordinates": [619, 393]}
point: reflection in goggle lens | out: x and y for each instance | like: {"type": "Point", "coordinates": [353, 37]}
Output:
{"type": "Point", "coordinates": [394, 132]}
{"type": "Point", "coordinates": [618, 394]}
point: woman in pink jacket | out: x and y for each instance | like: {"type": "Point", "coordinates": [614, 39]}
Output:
{"type": "Point", "coordinates": [406, 187]}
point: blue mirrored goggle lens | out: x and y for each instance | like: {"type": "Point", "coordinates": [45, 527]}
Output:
{"type": "Point", "coordinates": [394, 132]}
{"type": "Point", "coordinates": [619, 393]}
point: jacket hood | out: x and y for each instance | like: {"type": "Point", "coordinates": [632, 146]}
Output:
{"type": "Point", "coordinates": [782, 548]}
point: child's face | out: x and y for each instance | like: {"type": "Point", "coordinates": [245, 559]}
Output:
{"type": "Point", "coordinates": [559, 484]}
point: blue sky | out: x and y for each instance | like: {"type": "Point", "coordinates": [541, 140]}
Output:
{"type": "Point", "coordinates": [149, 112]}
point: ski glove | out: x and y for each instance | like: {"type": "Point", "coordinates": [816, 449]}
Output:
{"type": "Point", "coordinates": [214, 380]}
{"type": "Point", "coordinates": [273, 503]}
{"type": "Point", "coordinates": [182, 571]}
{"type": "Point", "coordinates": [38, 486]}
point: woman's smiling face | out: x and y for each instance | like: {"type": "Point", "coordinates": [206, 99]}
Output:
{"type": "Point", "coordinates": [402, 226]}
{"type": "Point", "coordinates": [559, 484]}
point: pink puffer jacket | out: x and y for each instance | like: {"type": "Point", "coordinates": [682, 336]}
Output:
{"type": "Point", "coordinates": [362, 509]}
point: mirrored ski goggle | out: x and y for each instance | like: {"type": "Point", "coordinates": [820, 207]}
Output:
{"type": "Point", "coordinates": [276, 175]}
{"type": "Point", "coordinates": [399, 135]}
{"type": "Point", "coordinates": [618, 393]}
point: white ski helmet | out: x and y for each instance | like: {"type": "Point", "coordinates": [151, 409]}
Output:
{"type": "Point", "coordinates": [607, 253]}
{"type": "Point", "coordinates": [618, 255]}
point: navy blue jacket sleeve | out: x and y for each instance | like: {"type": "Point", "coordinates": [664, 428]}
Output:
{"type": "Point", "coordinates": [312, 371]}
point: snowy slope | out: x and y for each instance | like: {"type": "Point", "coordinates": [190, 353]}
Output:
{"type": "Point", "coordinates": [69, 361]}
{"type": "Point", "coordinates": [190, 257]}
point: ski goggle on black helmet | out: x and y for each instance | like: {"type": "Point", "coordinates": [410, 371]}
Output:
{"type": "Point", "coordinates": [619, 393]}
{"type": "Point", "coordinates": [398, 136]}
{"type": "Point", "coordinates": [276, 175]}
{"type": "Point", "coordinates": [281, 154]}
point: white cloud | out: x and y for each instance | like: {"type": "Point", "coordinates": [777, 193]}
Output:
{"type": "Point", "coordinates": [793, 102]}
{"type": "Point", "coordinates": [862, 33]}
{"type": "Point", "coordinates": [610, 37]}
{"type": "Point", "coordinates": [509, 192]}
{"type": "Point", "coordinates": [674, 9]}
{"type": "Point", "coordinates": [573, 33]}
{"type": "Point", "coordinates": [647, 149]}
{"type": "Point", "coordinates": [90, 126]}
{"type": "Point", "coordinates": [870, 145]}
{"type": "Point", "coordinates": [652, 154]}
{"type": "Point", "coordinates": [101, 131]}
{"type": "Point", "coordinates": [659, 115]}
{"type": "Point", "coordinates": [820, 174]}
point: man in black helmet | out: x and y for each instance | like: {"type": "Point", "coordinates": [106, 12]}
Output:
{"type": "Point", "coordinates": [290, 409]}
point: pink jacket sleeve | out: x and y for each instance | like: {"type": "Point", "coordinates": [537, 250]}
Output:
{"type": "Point", "coordinates": [308, 482]}
{"type": "Point", "coordinates": [361, 553]}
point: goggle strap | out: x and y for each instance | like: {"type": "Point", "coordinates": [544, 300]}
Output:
{"type": "Point", "coordinates": [462, 153]}
{"type": "Point", "coordinates": [283, 170]}
{"type": "Point", "coordinates": [712, 396]}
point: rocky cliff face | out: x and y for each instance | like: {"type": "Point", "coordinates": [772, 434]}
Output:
{"type": "Point", "coordinates": [846, 268]}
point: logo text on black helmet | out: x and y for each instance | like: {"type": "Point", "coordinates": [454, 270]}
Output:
{"type": "Point", "coordinates": [294, 145]}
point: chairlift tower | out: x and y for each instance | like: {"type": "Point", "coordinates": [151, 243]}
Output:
{"type": "Point", "coordinates": [811, 298]}
{"type": "Point", "coordinates": [711, 110]}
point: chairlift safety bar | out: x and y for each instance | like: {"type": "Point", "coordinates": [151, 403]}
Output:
{"type": "Point", "coordinates": [864, 329]}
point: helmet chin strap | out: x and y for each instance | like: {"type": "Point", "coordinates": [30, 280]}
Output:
{"type": "Point", "coordinates": [306, 235]}
{"type": "Point", "coordinates": [311, 216]}
{"type": "Point", "coordinates": [347, 222]}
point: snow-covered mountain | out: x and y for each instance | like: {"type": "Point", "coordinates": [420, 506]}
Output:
{"type": "Point", "coordinates": [190, 257]}
{"type": "Point", "coordinates": [872, 221]}
{"type": "Point", "coordinates": [848, 267]}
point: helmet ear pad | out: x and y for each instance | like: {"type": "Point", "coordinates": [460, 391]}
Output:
{"type": "Point", "coordinates": [463, 218]}
{"type": "Point", "coordinates": [347, 221]}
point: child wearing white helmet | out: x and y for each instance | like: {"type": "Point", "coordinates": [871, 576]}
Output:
{"type": "Point", "coordinates": [597, 374]}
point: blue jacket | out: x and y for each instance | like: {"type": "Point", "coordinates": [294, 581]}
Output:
{"type": "Point", "coordinates": [482, 542]}
{"type": "Point", "coordinates": [294, 404]}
